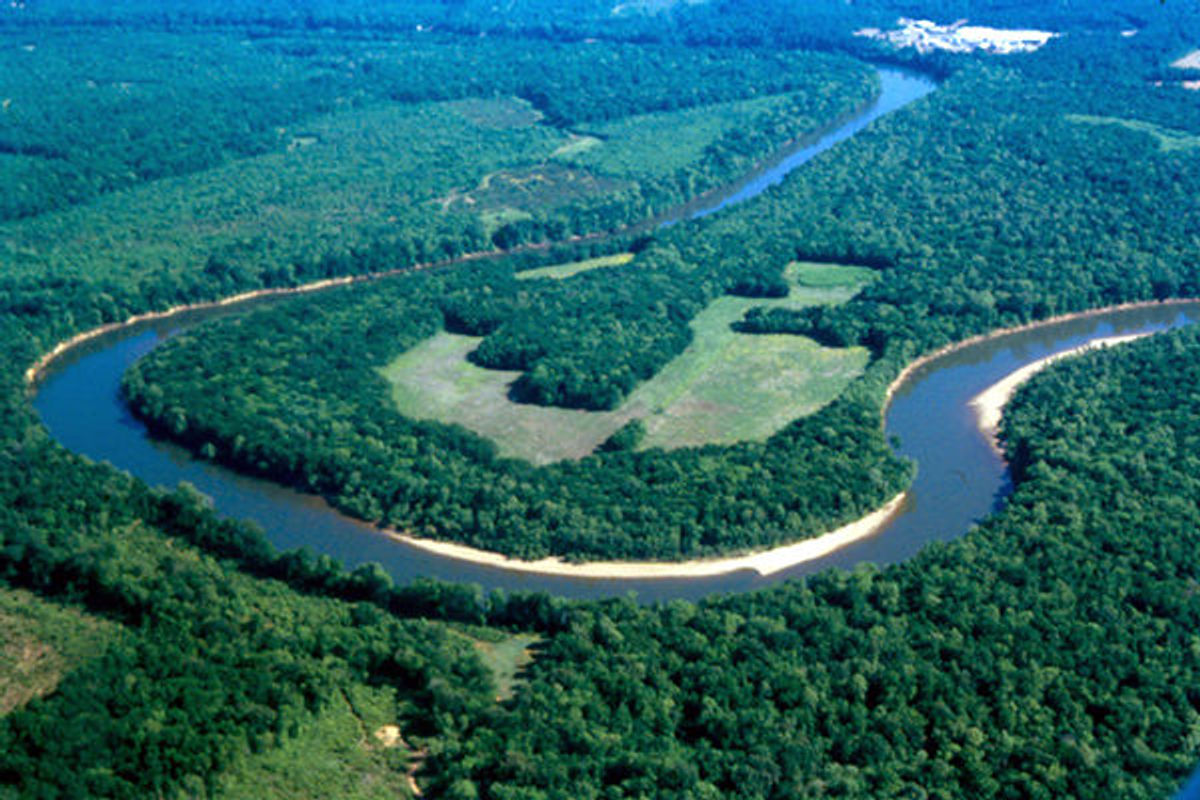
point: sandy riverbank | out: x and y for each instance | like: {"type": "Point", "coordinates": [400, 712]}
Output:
{"type": "Point", "coordinates": [766, 562]}
{"type": "Point", "coordinates": [913, 366]}
{"type": "Point", "coordinates": [989, 404]}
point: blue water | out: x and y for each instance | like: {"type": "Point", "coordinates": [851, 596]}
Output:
{"type": "Point", "coordinates": [898, 88]}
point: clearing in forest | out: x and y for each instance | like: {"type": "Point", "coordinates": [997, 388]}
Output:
{"type": "Point", "coordinates": [724, 388]}
{"type": "Point", "coordinates": [39, 642]}
{"type": "Point", "coordinates": [1168, 139]}
{"type": "Point", "coordinates": [561, 271]}
{"type": "Point", "coordinates": [351, 748]}
{"type": "Point", "coordinates": [506, 657]}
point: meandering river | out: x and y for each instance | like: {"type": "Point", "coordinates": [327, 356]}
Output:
{"type": "Point", "coordinates": [960, 478]}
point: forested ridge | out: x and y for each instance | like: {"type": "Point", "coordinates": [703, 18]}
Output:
{"type": "Point", "coordinates": [1050, 653]}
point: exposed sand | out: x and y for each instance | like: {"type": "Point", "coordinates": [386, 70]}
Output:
{"type": "Point", "coordinates": [913, 366]}
{"type": "Point", "coordinates": [989, 404]}
{"type": "Point", "coordinates": [1190, 61]}
{"type": "Point", "coordinates": [766, 562]}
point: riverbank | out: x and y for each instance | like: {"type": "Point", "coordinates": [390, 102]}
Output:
{"type": "Point", "coordinates": [764, 562]}
{"type": "Point", "coordinates": [906, 373]}
{"type": "Point", "coordinates": [989, 404]}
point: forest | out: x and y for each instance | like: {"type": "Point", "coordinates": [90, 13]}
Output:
{"type": "Point", "coordinates": [1050, 652]}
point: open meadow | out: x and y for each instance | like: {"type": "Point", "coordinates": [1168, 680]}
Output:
{"type": "Point", "coordinates": [725, 387]}
{"type": "Point", "coordinates": [39, 642]}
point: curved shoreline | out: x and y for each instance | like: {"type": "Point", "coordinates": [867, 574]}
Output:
{"type": "Point", "coordinates": [911, 368]}
{"type": "Point", "coordinates": [35, 371]}
{"type": "Point", "coordinates": [989, 404]}
{"type": "Point", "coordinates": [764, 562]}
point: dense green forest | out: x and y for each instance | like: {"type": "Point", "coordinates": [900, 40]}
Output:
{"type": "Point", "coordinates": [1049, 653]}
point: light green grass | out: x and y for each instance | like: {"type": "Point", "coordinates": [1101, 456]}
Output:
{"type": "Point", "coordinates": [334, 754]}
{"type": "Point", "coordinates": [578, 143]}
{"type": "Point", "coordinates": [505, 656]}
{"type": "Point", "coordinates": [725, 387]}
{"type": "Point", "coordinates": [40, 641]}
{"type": "Point", "coordinates": [827, 276]}
{"type": "Point", "coordinates": [561, 271]}
{"type": "Point", "coordinates": [1169, 140]}
{"type": "Point", "coordinates": [495, 219]}
{"type": "Point", "coordinates": [659, 144]}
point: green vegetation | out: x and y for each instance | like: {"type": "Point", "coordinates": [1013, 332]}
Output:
{"type": "Point", "coordinates": [256, 392]}
{"type": "Point", "coordinates": [347, 750]}
{"type": "Point", "coordinates": [633, 147]}
{"type": "Point", "coordinates": [40, 641]}
{"type": "Point", "coordinates": [270, 161]}
{"type": "Point", "coordinates": [716, 392]}
{"type": "Point", "coordinates": [506, 657]}
{"type": "Point", "coordinates": [436, 381]}
{"type": "Point", "coordinates": [1050, 653]}
{"type": "Point", "coordinates": [1169, 140]}
{"type": "Point", "coordinates": [369, 176]}
{"type": "Point", "coordinates": [561, 271]}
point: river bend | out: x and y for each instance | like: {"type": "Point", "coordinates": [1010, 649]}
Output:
{"type": "Point", "coordinates": [960, 478]}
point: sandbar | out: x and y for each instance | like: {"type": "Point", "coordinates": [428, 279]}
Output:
{"type": "Point", "coordinates": [765, 562]}
{"type": "Point", "coordinates": [989, 404]}
{"type": "Point", "coordinates": [1190, 61]}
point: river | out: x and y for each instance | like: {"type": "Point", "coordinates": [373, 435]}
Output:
{"type": "Point", "coordinates": [960, 478]}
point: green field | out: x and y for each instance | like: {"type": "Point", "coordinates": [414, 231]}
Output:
{"type": "Point", "coordinates": [561, 271]}
{"type": "Point", "coordinates": [39, 642]}
{"type": "Point", "coordinates": [725, 387]}
{"type": "Point", "coordinates": [346, 751]}
{"type": "Point", "coordinates": [634, 147]}
{"type": "Point", "coordinates": [1168, 139]}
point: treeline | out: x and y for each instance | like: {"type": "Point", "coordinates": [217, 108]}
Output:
{"type": "Point", "coordinates": [1049, 653]}
{"type": "Point", "coordinates": [309, 409]}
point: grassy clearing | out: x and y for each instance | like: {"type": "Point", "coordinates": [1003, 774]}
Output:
{"type": "Point", "coordinates": [435, 381]}
{"type": "Point", "coordinates": [347, 751]}
{"type": "Point", "coordinates": [575, 145]}
{"type": "Point", "coordinates": [634, 147]}
{"type": "Point", "coordinates": [561, 271]}
{"type": "Point", "coordinates": [726, 387]}
{"type": "Point", "coordinates": [506, 656]}
{"type": "Point", "coordinates": [817, 275]}
{"type": "Point", "coordinates": [494, 114]}
{"type": "Point", "coordinates": [535, 188]}
{"type": "Point", "coordinates": [1169, 140]}
{"type": "Point", "coordinates": [39, 642]}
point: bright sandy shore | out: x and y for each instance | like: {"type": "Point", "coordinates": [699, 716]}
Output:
{"type": "Point", "coordinates": [766, 562]}
{"type": "Point", "coordinates": [1190, 61]}
{"type": "Point", "coordinates": [989, 404]}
